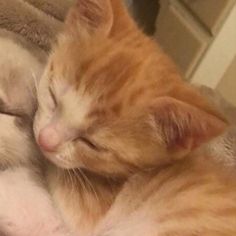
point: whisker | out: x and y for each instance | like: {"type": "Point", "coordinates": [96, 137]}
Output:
{"type": "Point", "coordinates": [78, 177]}
{"type": "Point", "coordinates": [71, 180]}
{"type": "Point", "coordinates": [81, 181]}
{"type": "Point", "coordinates": [90, 184]}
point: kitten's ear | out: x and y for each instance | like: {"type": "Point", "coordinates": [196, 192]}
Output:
{"type": "Point", "coordinates": [89, 16]}
{"type": "Point", "coordinates": [184, 126]}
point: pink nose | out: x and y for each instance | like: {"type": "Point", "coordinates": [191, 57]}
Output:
{"type": "Point", "coordinates": [49, 139]}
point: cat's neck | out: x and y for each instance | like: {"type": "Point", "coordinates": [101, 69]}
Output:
{"type": "Point", "coordinates": [81, 191]}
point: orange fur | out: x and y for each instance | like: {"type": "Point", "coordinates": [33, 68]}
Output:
{"type": "Point", "coordinates": [116, 117]}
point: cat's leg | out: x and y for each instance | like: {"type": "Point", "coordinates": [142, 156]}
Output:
{"type": "Point", "coordinates": [26, 208]}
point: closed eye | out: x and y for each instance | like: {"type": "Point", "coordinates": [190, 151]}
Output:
{"type": "Point", "coordinates": [9, 113]}
{"type": "Point", "coordinates": [4, 110]}
{"type": "Point", "coordinates": [89, 143]}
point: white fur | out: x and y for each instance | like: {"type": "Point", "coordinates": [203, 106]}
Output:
{"type": "Point", "coordinates": [65, 122]}
{"type": "Point", "coordinates": [26, 208]}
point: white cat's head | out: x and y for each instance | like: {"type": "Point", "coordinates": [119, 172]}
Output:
{"type": "Point", "coordinates": [18, 70]}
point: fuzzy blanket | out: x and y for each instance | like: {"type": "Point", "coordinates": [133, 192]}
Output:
{"type": "Point", "coordinates": [223, 148]}
{"type": "Point", "coordinates": [35, 23]}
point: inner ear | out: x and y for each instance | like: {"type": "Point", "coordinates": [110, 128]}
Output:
{"type": "Point", "coordinates": [183, 126]}
{"type": "Point", "coordinates": [90, 16]}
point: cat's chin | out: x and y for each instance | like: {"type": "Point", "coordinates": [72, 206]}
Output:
{"type": "Point", "coordinates": [60, 162]}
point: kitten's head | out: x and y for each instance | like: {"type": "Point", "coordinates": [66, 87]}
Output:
{"type": "Point", "coordinates": [17, 103]}
{"type": "Point", "coordinates": [111, 102]}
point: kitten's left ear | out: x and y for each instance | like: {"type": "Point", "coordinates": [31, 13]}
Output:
{"type": "Point", "coordinates": [90, 16]}
{"type": "Point", "coordinates": [183, 126]}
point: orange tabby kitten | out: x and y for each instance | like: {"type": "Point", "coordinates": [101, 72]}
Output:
{"type": "Point", "coordinates": [124, 134]}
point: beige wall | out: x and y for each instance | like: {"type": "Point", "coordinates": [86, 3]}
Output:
{"type": "Point", "coordinates": [200, 37]}
{"type": "Point", "coordinates": [227, 86]}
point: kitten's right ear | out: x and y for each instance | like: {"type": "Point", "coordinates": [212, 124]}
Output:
{"type": "Point", "coordinates": [90, 16]}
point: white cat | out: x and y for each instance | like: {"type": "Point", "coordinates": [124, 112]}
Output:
{"type": "Point", "coordinates": [26, 208]}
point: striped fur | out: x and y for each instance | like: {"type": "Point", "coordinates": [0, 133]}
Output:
{"type": "Point", "coordinates": [116, 117]}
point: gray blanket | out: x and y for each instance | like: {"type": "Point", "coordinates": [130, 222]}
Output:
{"type": "Point", "coordinates": [223, 148]}
{"type": "Point", "coordinates": [33, 23]}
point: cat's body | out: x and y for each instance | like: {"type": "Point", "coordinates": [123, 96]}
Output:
{"type": "Point", "coordinates": [195, 197]}
{"type": "Point", "coordinates": [26, 208]}
{"type": "Point", "coordinates": [184, 199]}
{"type": "Point", "coordinates": [125, 134]}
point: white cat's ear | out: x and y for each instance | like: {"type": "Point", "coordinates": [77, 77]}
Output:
{"type": "Point", "coordinates": [184, 126]}
{"type": "Point", "coordinates": [90, 16]}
